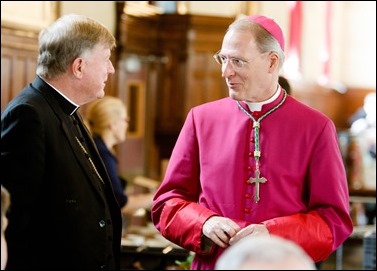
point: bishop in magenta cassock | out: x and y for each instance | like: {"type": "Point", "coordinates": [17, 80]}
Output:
{"type": "Point", "coordinates": [278, 165]}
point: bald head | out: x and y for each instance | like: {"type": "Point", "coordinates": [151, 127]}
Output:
{"type": "Point", "coordinates": [265, 253]}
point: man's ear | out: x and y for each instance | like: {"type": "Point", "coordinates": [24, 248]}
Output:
{"type": "Point", "coordinates": [77, 67]}
{"type": "Point", "coordinates": [274, 61]}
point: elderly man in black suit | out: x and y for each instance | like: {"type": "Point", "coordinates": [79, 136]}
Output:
{"type": "Point", "coordinates": [64, 214]}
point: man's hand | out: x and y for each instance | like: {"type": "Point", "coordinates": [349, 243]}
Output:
{"type": "Point", "coordinates": [251, 230]}
{"type": "Point", "coordinates": [220, 230]}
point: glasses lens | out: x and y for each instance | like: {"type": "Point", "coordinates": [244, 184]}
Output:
{"type": "Point", "coordinates": [237, 63]}
{"type": "Point", "coordinates": [222, 60]}
{"type": "Point", "coordinates": [218, 59]}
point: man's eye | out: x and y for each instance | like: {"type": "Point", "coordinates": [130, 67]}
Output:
{"type": "Point", "coordinates": [237, 61]}
{"type": "Point", "coordinates": [223, 58]}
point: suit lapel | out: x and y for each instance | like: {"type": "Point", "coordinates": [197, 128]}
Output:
{"type": "Point", "coordinates": [68, 129]}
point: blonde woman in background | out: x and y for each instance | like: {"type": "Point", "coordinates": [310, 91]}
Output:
{"type": "Point", "coordinates": [107, 119]}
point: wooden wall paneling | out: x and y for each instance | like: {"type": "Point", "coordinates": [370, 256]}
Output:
{"type": "Point", "coordinates": [173, 45]}
{"type": "Point", "coordinates": [324, 99]}
{"type": "Point", "coordinates": [19, 53]}
{"type": "Point", "coordinates": [183, 73]}
{"type": "Point", "coordinates": [190, 41]}
{"type": "Point", "coordinates": [6, 94]}
{"type": "Point", "coordinates": [136, 108]}
{"type": "Point", "coordinates": [337, 106]}
{"type": "Point", "coordinates": [204, 74]}
{"type": "Point", "coordinates": [132, 91]}
{"type": "Point", "coordinates": [196, 88]}
{"type": "Point", "coordinates": [139, 35]}
{"type": "Point", "coordinates": [190, 77]}
{"type": "Point", "coordinates": [204, 81]}
{"type": "Point", "coordinates": [138, 39]}
{"type": "Point", "coordinates": [172, 40]}
{"type": "Point", "coordinates": [151, 152]}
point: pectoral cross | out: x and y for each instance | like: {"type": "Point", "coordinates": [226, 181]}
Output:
{"type": "Point", "coordinates": [257, 180]}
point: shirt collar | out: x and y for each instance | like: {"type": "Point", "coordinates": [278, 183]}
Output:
{"type": "Point", "coordinates": [69, 107]}
{"type": "Point", "coordinates": [257, 106]}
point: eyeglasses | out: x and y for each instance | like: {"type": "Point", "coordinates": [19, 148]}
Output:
{"type": "Point", "coordinates": [237, 63]}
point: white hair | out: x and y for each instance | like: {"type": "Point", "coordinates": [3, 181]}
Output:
{"type": "Point", "coordinates": [265, 253]}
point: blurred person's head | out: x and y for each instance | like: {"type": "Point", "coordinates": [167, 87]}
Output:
{"type": "Point", "coordinates": [265, 253]}
{"type": "Point", "coordinates": [5, 202]}
{"type": "Point", "coordinates": [368, 121]}
{"type": "Point", "coordinates": [108, 118]}
{"type": "Point", "coordinates": [370, 107]}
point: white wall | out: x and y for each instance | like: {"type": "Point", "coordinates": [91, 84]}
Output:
{"type": "Point", "coordinates": [103, 11]}
{"type": "Point", "coordinates": [353, 38]}
{"type": "Point", "coordinates": [217, 8]}
{"type": "Point", "coordinates": [356, 60]}
{"type": "Point", "coordinates": [33, 15]}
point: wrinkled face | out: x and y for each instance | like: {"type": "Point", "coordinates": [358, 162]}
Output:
{"type": "Point", "coordinates": [246, 70]}
{"type": "Point", "coordinates": [96, 67]}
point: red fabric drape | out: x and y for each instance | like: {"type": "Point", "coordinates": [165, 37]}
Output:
{"type": "Point", "coordinates": [327, 44]}
{"type": "Point", "coordinates": [294, 48]}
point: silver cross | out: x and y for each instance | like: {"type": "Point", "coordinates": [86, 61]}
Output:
{"type": "Point", "coordinates": [257, 180]}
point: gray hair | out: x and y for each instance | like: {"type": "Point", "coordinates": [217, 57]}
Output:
{"type": "Point", "coordinates": [265, 41]}
{"type": "Point", "coordinates": [263, 252]}
{"type": "Point", "coordinates": [67, 38]}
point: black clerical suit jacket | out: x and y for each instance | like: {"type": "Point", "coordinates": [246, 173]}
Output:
{"type": "Point", "coordinates": [62, 216]}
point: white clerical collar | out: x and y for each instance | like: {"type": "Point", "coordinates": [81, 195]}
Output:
{"type": "Point", "coordinates": [258, 105]}
{"type": "Point", "coordinates": [65, 97]}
